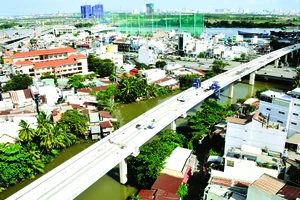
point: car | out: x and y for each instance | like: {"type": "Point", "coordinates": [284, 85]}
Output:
{"type": "Point", "coordinates": [138, 126]}
{"type": "Point", "coordinates": [151, 126]}
{"type": "Point", "coordinates": [201, 63]}
{"type": "Point", "coordinates": [287, 70]}
{"type": "Point", "coordinates": [181, 98]}
{"type": "Point", "coordinates": [172, 60]}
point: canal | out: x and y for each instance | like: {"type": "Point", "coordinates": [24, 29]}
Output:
{"type": "Point", "coordinates": [108, 187]}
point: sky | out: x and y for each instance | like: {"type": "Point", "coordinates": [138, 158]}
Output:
{"type": "Point", "coordinates": [23, 7]}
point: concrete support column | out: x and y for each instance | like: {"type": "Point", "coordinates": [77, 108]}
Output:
{"type": "Point", "coordinates": [292, 54]}
{"type": "Point", "coordinates": [276, 62]}
{"type": "Point", "coordinates": [285, 58]}
{"type": "Point", "coordinates": [250, 91]}
{"type": "Point", "coordinates": [231, 87]}
{"type": "Point", "coordinates": [252, 78]}
{"type": "Point", "coordinates": [123, 172]}
{"type": "Point", "coordinates": [173, 125]}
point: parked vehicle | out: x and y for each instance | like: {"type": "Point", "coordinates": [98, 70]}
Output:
{"type": "Point", "coordinates": [181, 98]}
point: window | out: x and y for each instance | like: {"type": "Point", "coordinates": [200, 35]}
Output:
{"type": "Point", "coordinates": [293, 123]}
{"type": "Point", "coordinates": [269, 109]}
{"type": "Point", "coordinates": [281, 122]}
{"type": "Point", "coordinates": [230, 163]}
{"type": "Point", "coordinates": [296, 114]}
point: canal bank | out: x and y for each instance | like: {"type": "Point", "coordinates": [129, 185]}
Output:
{"type": "Point", "coordinates": [108, 187]}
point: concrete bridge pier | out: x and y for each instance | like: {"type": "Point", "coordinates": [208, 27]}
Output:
{"type": "Point", "coordinates": [252, 78]}
{"type": "Point", "coordinates": [231, 88]}
{"type": "Point", "coordinates": [123, 172]}
{"type": "Point", "coordinates": [250, 91]}
{"type": "Point", "coordinates": [285, 58]}
{"type": "Point", "coordinates": [184, 115]}
{"type": "Point", "coordinates": [292, 54]}
{"type": "Point", "coordinates": [276, 63]}
{"type": "Point", "coordinates": [173, 125]}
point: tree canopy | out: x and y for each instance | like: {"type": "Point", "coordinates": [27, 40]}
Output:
{"type": "Point", "coordinates": [297, 79]}
{"type": "Point", "coordinates": [141, 66]}
{"type": "Point", "coordinates": [16, 164]}
{"type": "Point", "coordinates": [186, 80]}
{"type": "Point", "coordinates": [101, 67]}
{"type": "Point", "coordinates": [218, 66]}
{"type": "Point", "coordinates": [18, 82]}
{"type": "Point", "coordinates": [75, 122]}
{"type": "Point", "coordinates": [50, 76]}
{"type": "Point", "coordinates": [160, 64]}
{"type": "Point", "coordinates": [147, 166]}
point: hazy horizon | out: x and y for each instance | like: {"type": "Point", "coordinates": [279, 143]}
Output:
{"type": "Point", "coordinates": [25, 7]}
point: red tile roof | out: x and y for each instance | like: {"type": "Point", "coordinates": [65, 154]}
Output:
{"type": "Point", "coordinates": [221, 181]}
{"type": "Point", "coordinates": [26, 62]}
{"type": "Point", "coordinates": [164, 195]}
{"type": "Point", "coordinates": [237, 120]}
{"type": "Point", "coordinates": [96, 89]}
{"type": "Point", "coordinates": [105, 114]}
{"type": "Point", "coordinates": [43, 52]}
{"type": "Point", "coordinates": [268, 184]}
{"type": "Point", "coordinates": [290, 192]}
{"type": "Point", "coordinates": [168, 183]}
{"type": "Point", "coordinates": [55, 63]}
{"type": "Point", "coordinates": [27, 93]}
{"type": "Point", "coordinates": [229, 182]}
{"type": "Point", "coordinates": [75, 106]}
{"type": "Point", "coordinates": [106, 124]}
{"type": "Point", "coordinates": [77, 56]}
{"type": "Point", "coordinates": [84, 90]}
{"type": "Point", "coordinates": [147, 194]}
{"type": "Point", "coordinates": [163, 80]}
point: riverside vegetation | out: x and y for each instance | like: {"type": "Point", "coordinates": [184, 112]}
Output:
{"type": "Point", "coordinates": [37, 147]}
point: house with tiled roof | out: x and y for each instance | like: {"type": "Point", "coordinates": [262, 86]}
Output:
{"type": "Point", "coordinates": [106, 128]}
{"type": "Point", "coordinates": [60, 62]}
{"type": "Point", "coordinates": [269, 188]}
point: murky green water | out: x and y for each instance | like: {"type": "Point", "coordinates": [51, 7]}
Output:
{"type": "Point", "coordinates": [108, 187]}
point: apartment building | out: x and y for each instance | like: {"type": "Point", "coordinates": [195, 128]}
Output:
{"type": "Point", "coordinates": [282, 109]}
{"type": "Point", "coordinates": [60, 62]}
{"type": "Point", "coordinates": [146, 55]}
{"type": "Point", "coordinates": [254, 131]}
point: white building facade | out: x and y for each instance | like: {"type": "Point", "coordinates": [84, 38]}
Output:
{"type": "Point", "coordinates": [282, 109]}
{"type": "Point", "coordinates": [254, 133]}
{"type": "Point", "coordinates": [146, 56]}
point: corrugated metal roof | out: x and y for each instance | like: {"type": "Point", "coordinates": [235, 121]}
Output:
{"type": "Point", "coordinates": [290, 192]}
{"type": "Point", "coordinates": [268, 184]}
{"type": "Point", "coordinates": [168, 183]}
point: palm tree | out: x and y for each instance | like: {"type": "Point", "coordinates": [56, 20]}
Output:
{"type": "Point", "coordinates": [48, 140]}
{"type": "Point", "coordinates": [152, 89]}
{"type": "Point", "coordinates": [63, 138]}
{"type": "Point", "coordinates": [26, 133]}
{"type": "Point", "coordinates": [128, 89]}
{"type": "Point", "coordinates": [44, 123]}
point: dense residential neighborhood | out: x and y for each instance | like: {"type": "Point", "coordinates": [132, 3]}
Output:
{"type": "Point", "coordinates": [155, 105]}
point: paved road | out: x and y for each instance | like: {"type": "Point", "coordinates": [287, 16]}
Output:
{"type": "Point", "coordinates": [75, 175]}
